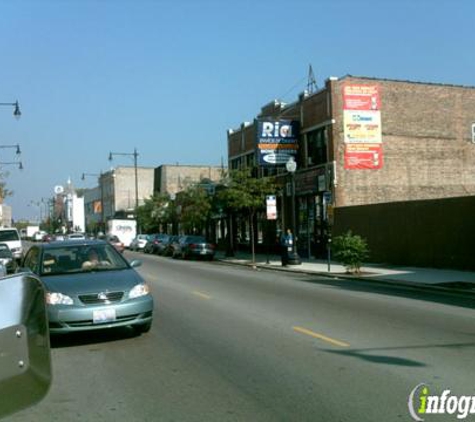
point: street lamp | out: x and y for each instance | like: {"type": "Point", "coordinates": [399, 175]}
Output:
{"type": "Point", "coordinates": [17, 146]}
{"type": "Point", "coordinates": [18, 163]}
{"type": "Point", "coordinates": [101, 186]}
{"type": "Point", "coordinates": [291, 167]}
{"type": "Point", "coordinates": [16, 109]}
{"type": "Point", "coordinates": [135, 155]}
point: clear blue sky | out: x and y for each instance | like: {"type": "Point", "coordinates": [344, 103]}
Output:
{"type": "Point", "coordinates": [170, 77]}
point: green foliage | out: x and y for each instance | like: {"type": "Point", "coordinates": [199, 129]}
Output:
{"type": "Point", "coordinates": [4, 192]}
{"type": "Point", "coordinates": [155, 211]}
{"type": "Point", "coordinates": [245, 192]}
{"type": "Point", "coordinates": [351, 250]}
{"type": "Point", "coordinates": [193, 207]}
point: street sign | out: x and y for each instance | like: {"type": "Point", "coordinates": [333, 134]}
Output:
{"type": "Point", "coordinates": [327, 197]}
{"type": "Point", "coordinates": [271, 202]}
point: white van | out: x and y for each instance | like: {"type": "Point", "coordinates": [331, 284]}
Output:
{"type": "Point", "coordinates": [11, 237]}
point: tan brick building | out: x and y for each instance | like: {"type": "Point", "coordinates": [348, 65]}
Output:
{"type": "Point", "coordinates": [367, 141]}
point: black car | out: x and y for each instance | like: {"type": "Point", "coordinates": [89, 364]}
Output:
{"type": "Point", "coordinates": [155, 243]}
{"type": "Point", "coordinates": [193, 247]}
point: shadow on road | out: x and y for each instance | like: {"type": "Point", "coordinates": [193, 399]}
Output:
{"type": "Point", "coordinates": [392, 360]}
{"type": "Point", "coordinates": [92, 337]}
{"type": "Point", "coordinates": [407, 292]}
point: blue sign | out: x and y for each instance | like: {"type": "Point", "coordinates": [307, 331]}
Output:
{"type": "Point", "coordinates": [277, 141]}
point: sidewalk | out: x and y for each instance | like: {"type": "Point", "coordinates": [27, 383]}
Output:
{"type": "Point", "coordinates": [431, 278]}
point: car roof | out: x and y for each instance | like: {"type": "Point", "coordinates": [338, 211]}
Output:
{"type": "Point", "coordinates": [67, 243]}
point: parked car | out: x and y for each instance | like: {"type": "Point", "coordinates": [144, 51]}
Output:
{"type": "Point", "coordinates": [114, 241]}
{"type": "Point", "coordinates": [194, 246]}
{"type": "Point", "coordinates": [172, 245]}
{"type": "Point", "coordinates": [156, 243]}
{"type": "Point", "coordinates": [7, 259]}
{"type": "Point", "coordinates": [11, 237]}
{"type": "Point", "coordinates": [148, 244]}
{"type": "Point", "coordinates": [38, 236]}
{"type": "Point", "coordinates": [139, 242]}
{"type": "Point", "coordinates": [87, 293]}
{"type": "Point", "coordinates": [47, 238]}
{"type": "Point", "coordinates": [76, 236]}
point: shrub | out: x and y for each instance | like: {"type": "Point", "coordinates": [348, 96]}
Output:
{"type": "Point", "coordinates": [351, 250]}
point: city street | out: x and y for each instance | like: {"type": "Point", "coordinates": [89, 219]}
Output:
{"type": "Point", "coordinates": [235, 344]}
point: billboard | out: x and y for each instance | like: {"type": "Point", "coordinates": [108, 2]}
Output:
{"type": "Point", "coordinates": [363, 156]}
{"type": "Point", "coordinates": [277, 141]}
{"type": "Point", "coordinates": [361, 97]}
{"type": "Point", "coordinates": [362, 131]}
{"type": "Point", "coordinates": [362, 127]}
{"type": "Point", "coordinates": [97, 206]}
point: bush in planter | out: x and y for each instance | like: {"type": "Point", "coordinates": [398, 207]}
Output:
{"type": "Point", "coordinates": [351, 250]}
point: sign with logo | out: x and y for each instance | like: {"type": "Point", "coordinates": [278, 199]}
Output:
{"type": "Point", "coordinates": [363, 156]}
{"type": "Point", "coordinates": [271, 203]}
{"type": "Point", "coordinates": [362, 131]}
{"type": "Point", "coordinates": [421, 403]}
{"type": "Point", "coordinates": [97, 205]}
{"type": "Point", "coordinates": [277, 141]}
{"type": "Point", "coordinates": [361, 97]}
{"type": "Point", "coordinates": [362, 127]}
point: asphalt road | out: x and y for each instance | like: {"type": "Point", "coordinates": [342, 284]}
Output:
{"type": "Point", "coordinates": [234, 344]}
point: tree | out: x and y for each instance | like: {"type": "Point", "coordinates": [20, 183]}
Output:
{"type": "Point", "coordinates": [4, 192]}
{"type": "Point", "coordinates": [154, 213]}
{"type": "Point", "coordinates": [246, 193]}
{"type": "Point", "coordinates": [194, 207]}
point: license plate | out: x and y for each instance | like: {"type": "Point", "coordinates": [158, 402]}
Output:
{"type": "Point", "coordinates": [203, 252]}
{"type": "Point", "coordinates": [103, 315]}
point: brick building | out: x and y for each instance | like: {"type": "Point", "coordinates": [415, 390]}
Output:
{"type": "Point", "coordinates": [114, 197]}
{"type": "Point", "coordinates": [367, 144]}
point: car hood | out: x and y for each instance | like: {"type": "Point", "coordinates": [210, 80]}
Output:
{"type": "Point", "coordinates": [94, 281]}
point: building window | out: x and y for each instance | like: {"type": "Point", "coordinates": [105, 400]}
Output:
{"type": "Point", "coordinates": [317, 147]}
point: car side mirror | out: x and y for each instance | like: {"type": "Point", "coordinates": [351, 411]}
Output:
{"type": "Point", "coordinates": [136, 263]}
{"type": "Point", "coordinates": [25, 358]}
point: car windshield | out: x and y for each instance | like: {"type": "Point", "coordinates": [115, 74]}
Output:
{"type": "Point", "coordinates": [6, 235]}
{"type": "Point", "coordinates": [81, 258]}
{"type": "Point", "coordinates": [5, 253]}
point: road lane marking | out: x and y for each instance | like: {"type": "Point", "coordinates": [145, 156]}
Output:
{"type": "Point", "coordinates": [321, 337]}
{"type": "Point", "coordinates": [201, 295]}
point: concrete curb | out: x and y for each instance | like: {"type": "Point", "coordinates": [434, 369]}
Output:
{"type": "Point", "coordinates": [386, 281]}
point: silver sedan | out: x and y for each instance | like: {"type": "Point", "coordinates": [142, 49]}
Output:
{"type": "Point", "coordinates": [90, 286]}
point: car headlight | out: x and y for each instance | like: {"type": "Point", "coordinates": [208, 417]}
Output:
{"type": "Point", "coordinates": [139, 290]}
{"type": "Point", "coordinates": [58, 299]}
